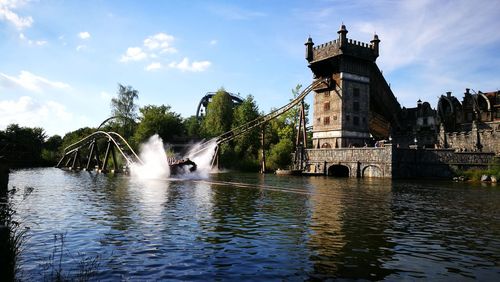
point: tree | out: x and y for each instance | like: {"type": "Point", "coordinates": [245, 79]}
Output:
{"type": "Point", "coordinates": [281, 134]}
{"type": "Point", "coordinates": [248, 144]}
{"type": "Point", "coordinates": [158, 120]}
{"type": "Point", "coordinates": [50, 151]}
{"type": "Point", "coordinates": [192, 127]}
{"type": "Point", "coordinates": [125, 109]}
{"type": "Point", "coordinates": [280, 154]}
{"type": "Point", "coordinates": [23, 145]}
{"type": "Point", "coordinates": [219, 115]}
{"type": "Point", "coordinates": [75, 136]}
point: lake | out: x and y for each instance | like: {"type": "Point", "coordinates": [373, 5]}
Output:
{"type": "Point", "coordinates": [231, 226]}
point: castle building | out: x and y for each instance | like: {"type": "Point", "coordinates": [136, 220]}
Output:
{"type": "Point", "coordinates": [360, 129]}
{"type": "Point", "coordinates": [355, 107]}
{"type": "Point", "coordinates": [355, 103]}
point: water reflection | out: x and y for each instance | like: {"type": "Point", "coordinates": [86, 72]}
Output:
{"type": "Point", "coordinates": [261, 227]}
{"type": "Point", "coordinates": [348, 224]}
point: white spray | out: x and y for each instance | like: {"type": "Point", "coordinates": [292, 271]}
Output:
{"type": "Point", "coordinates": [155, 163]}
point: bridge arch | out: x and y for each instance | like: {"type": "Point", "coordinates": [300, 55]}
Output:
{"type": "Point", "coordinates": [372, 171]}
{"type": "Point", "coordinates": [338, 171]}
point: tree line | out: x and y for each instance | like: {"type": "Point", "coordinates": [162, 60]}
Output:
{"type": "Point", "coordinates": [31, 147]}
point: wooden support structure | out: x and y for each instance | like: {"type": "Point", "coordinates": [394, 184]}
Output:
{"type": "Point", "coordinates": [76, 159]}
{"type": "Point", "coordinates": [104, 167]}
{"type": "Point", "coordinates": [300, 143]}
{"type": "Point", "coordinates": [91, 154]}
{"type": "Point", "coordinates": [262, 143]}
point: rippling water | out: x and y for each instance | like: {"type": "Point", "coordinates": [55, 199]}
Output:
{"type": "Point", "coordinates": [255, 227]}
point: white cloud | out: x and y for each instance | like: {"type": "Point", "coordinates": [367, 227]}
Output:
{"type": "Point", "coordinates": [81, 47]}
{"type": "Point", "coordinates": [213, 42]}
{"type": "Point", "coordinates": [27, 111]}
{"type": "Point", "coordinates": [155, 46]}
{"type": "Point", "coordinates": [32, 42]}
{"type": "Point", "coordinates": [161, 42]}
{"type": "Point", "coordinates": [30, 82]}
{"type": "Point", "coordinates": [7, 14]}
{"type": "Point", "coordinates": [153, 66]}
{"type": "Point", "coordinates": [195, 66]}
{"type": "Point", "coordinates": [84, 35]}
{"type": "Point", "coordinates": [133, 54]}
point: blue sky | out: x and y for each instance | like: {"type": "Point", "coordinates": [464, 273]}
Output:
{"type": "Point", "coordinates": [61, 61]}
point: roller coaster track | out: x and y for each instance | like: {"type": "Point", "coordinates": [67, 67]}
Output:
{"type": "Point", "coordinates": [73, 153]}
{"type": "Point", "coordinates": [227, 136]}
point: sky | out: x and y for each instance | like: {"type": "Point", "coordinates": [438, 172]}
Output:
{"type": "Point", "coordinates": [61, 61]}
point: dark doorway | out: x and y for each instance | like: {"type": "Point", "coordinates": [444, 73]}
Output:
{"type": "Point", "coordinates": [338, 171]}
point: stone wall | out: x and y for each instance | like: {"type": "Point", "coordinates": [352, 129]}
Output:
{"type": "Point", "coordinates": [375, 162]}
{"type": "Point", "coordinates": [390, 162]}
{"type": "Point", "coordinates": [484, 140]}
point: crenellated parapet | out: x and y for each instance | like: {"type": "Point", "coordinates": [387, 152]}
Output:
{"type": "Point", "coordinates": [342, 46]}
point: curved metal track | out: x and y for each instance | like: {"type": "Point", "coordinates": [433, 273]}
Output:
{"type": "Point", "coordinates": [73, 153]}
{"type": "Point", "coordinates": [208, 97]}
{"type": "Point", "coordinates": [227, 136]}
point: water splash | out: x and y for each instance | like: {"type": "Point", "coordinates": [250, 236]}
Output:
{"type": "Point", "coordinates": [202, 154]}
{"type": "Point", "coordinates": [155, 162]}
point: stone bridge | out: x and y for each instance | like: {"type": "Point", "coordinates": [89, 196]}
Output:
{"type": "Point", "coordinates": [391, 162]}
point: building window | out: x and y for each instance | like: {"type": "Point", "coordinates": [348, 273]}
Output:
{"type": "Point", "coordinates": [347, 117]}
{"type": "Point", "coordinates": [364, 120]}
{"type": "Point", "coordinates": [355, 92]}
{"type": "Point", "coordinates": [318, 120]}
{"type": "Point", "coordinates": [326, 120]}
{"type": "Point", "coordinates": [355, 120]}
{"type": "Point", "coordinates": [326, 106]}
{"type": "Point", "coordinates": [425, 121]}
{"type": "Point", "coordinates": [355, 106]}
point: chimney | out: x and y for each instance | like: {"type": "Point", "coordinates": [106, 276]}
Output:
{"type": "Point", "coordinates": [342, 35]}
{"type": "Point", "coordinates": [375, 43]}
{"type": "Point", "coordinates": [309, 49]}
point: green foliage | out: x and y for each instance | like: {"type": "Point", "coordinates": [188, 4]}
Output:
{"type": "Point", "coordinates": [158, 120]}
{"type": "Point", "coordinates": [219, 116]}
{"type": "Point", "coordinates": [75, 136]}
{"type": "Point", "coordinates": [22, 146]}
{"type": "Point", "coordinates": [281, 134]}
{"type": "Point", "coordinates": [475, 174]}
{"type": "Point", "coordinates": [246, 145]}
{"type": "Point", "coordinates": [280, 154]}
{"type": "Point", "coordinates": [50, 152]}
{"type": "Point", "coordinates": [125, 109]}
{"type": "Point", "coordinates": [192, 127]}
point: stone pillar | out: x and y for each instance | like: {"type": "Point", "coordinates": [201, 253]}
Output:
{"type": "Point", "coordinates": [443, 143]}
{"type": "Point", "coordinates": [475, 136]}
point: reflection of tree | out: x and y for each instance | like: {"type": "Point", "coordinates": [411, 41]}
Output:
{"type": "Point", "coordinates": [348, 223]}
{"type": "Point", "coordinates": [111, 197]}
{"type": "Point", "coordinates": [254, 230]}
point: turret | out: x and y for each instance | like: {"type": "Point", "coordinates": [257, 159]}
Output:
{"type": "Point", "coordinates": [342, 36]}
{"type": "Point", "coordinates": [309, 49]}
{"type": "Point", "coordinates": [375, 43]}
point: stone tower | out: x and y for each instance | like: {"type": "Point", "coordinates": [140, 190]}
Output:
{"type": "Point", "coordinates": [344, 113]}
